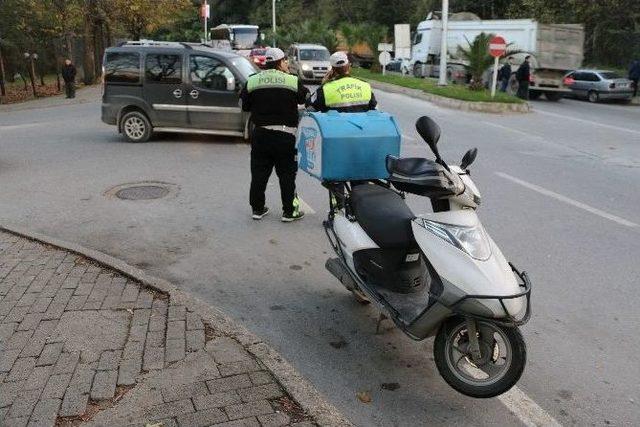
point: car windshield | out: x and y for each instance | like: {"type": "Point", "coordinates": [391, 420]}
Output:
{"type": "Point", "coordinates": [245, 38]}
{"type": "Point", "coordinates": [245, 66]}
{"type": "Point", "coordinates": [314, 55]}
{"type": "Point", "coordinates": [610, 75]}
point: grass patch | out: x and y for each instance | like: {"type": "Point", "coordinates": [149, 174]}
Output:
{"type": "Point", "coordinates": [430, 86]}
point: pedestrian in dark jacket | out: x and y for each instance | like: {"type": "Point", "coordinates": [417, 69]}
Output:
{"type": "Point", "coordinates": [523, 75]}
{"type": "Point", "coordinates": [634, 75]}
{"type": "Point", "coordinates": [504, 75]}
{"type": "Point", "coordinates": [69, 77]}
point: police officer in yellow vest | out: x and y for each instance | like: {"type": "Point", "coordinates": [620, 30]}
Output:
{"type": "Point", "coordinates": [272, 96]}
{"type": "Point", "coordinates": [340, 91]}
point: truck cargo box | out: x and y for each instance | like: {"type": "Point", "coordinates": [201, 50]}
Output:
{"type": "Point", "coordinates": [336, 146]}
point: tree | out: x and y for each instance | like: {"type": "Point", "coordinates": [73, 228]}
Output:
{"type": "Point", "coordinates": [478, 58]}
{"type": "Point", "coordinates": [142, 17]}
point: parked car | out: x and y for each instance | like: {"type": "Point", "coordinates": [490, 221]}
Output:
{"type": "Point", "coordinates": [596, 85]}
{"type": "Point", "coordinates": [173, 87]}
{"type": "Point", "coordinates": [257, 56]}
{"type": "Point", "coordinates": [308, 61]}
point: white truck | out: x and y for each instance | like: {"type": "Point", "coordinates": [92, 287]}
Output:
{"type": "Point", "coordinates": [555, 48]}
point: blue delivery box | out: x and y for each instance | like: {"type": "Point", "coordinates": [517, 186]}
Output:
{"type": "Point", "coordinates": [336, 146]}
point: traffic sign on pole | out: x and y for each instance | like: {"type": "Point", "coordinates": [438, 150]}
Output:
{"type": "Point", "coordinates": [384, 58]}
{"type": "Point", "coordinates": [497, 48]}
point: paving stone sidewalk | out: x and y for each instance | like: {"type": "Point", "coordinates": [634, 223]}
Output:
{"type": "Point", "coordinates": [82, 344]}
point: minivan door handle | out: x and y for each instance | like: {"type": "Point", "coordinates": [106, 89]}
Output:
{"type": "Point", "coordinates": [194, 94]}
{"type": "Point", "coordinates": [177, 93]}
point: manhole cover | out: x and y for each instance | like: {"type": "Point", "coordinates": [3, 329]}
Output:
{"type": "Point", "coordinates": [142, 192]}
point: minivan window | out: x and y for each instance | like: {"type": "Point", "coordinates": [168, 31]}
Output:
{"type": "Point", "coordinates": [314, 55]}
{"type": "Point", "coordinates": [163, 68]}
{"type": "Point", "coordinates": [245, 66]}
{"type": "Point", "coordinates": [209, 73]}
{"type": "Point", "coordinates": [122, 67]}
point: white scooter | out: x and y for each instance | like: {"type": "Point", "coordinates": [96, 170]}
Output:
{"type": "Point", "coordinates": [435, 273]}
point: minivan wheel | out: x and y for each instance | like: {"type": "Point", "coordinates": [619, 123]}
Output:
{"type": "Point", "coordinates": [593, 96]}
{"type": "Point", "coordinates": [136, 127]}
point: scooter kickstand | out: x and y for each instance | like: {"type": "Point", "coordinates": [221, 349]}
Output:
{"type": "Point", "coordinates": [381, 317]}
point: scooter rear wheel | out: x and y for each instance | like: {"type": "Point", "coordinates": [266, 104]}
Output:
{"type": "Point", "coordinates": [503, 357]}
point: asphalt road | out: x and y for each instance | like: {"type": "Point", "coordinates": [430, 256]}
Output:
{"type": "Point", "coordinates": [561, 190]}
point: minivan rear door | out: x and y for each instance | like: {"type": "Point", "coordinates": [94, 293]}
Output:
{"type": "Point", "coordinates": [212, 96]}
{"type": "Point", "coordinates": [165, 90]}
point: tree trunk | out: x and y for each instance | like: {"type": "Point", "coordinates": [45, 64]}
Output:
{"type": "Point", "coordinates": [32, 77]}
{"type": "Point", "coordinates": [68, 37]}
{"type": "Point", "coordinates": [3, 91]}
{"type": "Point", "coordinates": [98, 47]}
{"type": "Point", "coordinates": [88, 64]}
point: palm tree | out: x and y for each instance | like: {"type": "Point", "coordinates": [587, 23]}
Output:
{"type": "Point", "coordinates": [350, 35]}
{"type": "Point", "coordinates": [478, 58]}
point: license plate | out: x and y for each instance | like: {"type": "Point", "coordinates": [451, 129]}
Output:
{"type": "Point", "coordinates": [623, 85]}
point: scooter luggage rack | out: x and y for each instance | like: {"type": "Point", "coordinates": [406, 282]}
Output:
{"type": "Point", "coordinates": [510, 321]}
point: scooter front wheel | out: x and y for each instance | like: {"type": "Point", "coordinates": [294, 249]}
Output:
{"type": "Point", "coordinates": [497, 368]}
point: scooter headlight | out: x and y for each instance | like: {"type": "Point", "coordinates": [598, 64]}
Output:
{"type": "Point", "coordinates": [472, 240]}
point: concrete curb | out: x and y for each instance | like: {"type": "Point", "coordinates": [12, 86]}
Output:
{"type": "Point", "coordinates": [457, 104]}
{"type": "Point", "coordinates": [295, 384]}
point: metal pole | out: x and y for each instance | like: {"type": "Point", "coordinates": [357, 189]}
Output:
{"type": "Point", "coordinates": [494, 80]}
{"type": "Point", "coordinates": [442, 80]}
{"type": "Point", "coordinates": [273, 20]}
{"type": "Point", "coordinates": [206, 18]}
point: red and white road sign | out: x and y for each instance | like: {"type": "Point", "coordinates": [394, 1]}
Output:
{"type": "Point", "coordinates": [497, 47]}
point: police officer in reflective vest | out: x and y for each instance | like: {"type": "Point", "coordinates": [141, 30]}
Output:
{"type": "Point", "coordinates": [340, 91]}
{"type": "Point", "coordinates": [272, 96]}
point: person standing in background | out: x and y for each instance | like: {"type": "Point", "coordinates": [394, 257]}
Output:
{"type": "Point", "coordinates": [504, 74]}
{"type": "Point", "coordinates": [523, 75]}
{"type": "Point", "coordinates": [634, 76]}
{"type": "Point", "coordinates": [69, 76]}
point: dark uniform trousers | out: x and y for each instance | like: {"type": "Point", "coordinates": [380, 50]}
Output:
{"type": "Point", "coordinates": [269, 149]}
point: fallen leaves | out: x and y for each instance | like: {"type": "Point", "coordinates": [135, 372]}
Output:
{"type": "Point", "coordinates": [364, 396]}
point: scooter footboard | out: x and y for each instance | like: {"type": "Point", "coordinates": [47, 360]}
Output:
{"type": "Point", "coordinates": [429, 321]}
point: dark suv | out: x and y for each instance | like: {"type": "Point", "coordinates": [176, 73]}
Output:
{"type": "Point", "coordinates": [173, 87]}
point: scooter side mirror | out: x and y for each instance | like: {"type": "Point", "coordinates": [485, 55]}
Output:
{"type": "Point", "coordinates": [468, 158]}
{"type": "Point", "coordinates": [430, 132]}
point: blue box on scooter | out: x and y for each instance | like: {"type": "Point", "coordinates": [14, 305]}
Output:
{"type": "Point", "coordinates": [336, 146]}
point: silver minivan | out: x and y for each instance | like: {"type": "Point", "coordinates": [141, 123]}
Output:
{"type": "Point", "coordinates": [308, 61]}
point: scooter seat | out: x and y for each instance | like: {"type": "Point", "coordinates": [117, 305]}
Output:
{"type": "Point", "coordinates": [384, 216]}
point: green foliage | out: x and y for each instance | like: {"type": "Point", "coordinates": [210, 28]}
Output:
{"type": "Point", "coordinates": [477, 58]}
{"type": "Point", "coordinates": [430, 86]}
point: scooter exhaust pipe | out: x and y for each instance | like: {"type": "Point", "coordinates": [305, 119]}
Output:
{"type": "Point", "coordinates": [336, 267]}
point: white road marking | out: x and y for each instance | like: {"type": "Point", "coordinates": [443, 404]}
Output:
{"type": "Point", "coordinates": [410, 138]}
{"type": "Point", "coordinates": [568, 200]}
{"type": "Point", "coordinates": [520, 132]}
{"type": "Point", "coordinates": [527, 411]}
{"type": "Point", "coordinates": [24, 125]}
{"type": "Point", "coordinates": [591, 122]}
{"type": "Point", "coordinates": [305, 207]}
